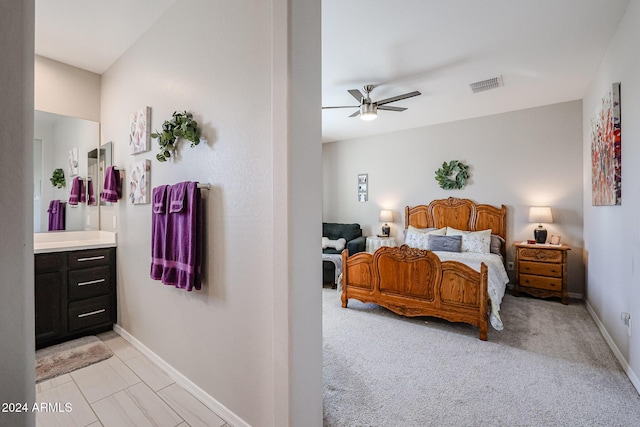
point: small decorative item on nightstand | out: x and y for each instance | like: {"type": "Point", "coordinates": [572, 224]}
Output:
{"type": "Point", "coordinates": [386, 216]}
{"type": "Point", "coordinates": [541, 270]}
{"type": "Point", "coordinates": [540, 214]}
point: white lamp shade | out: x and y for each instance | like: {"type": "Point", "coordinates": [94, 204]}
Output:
{"type": "Point", "coordinates": [386, 215]}
{"type": "Point", "coordinates": [540, 214]}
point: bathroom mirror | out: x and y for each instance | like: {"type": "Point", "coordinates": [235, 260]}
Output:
{"type": "Point", "coordinates": [62, 142]}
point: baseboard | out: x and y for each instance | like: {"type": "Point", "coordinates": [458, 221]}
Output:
{"type": "Point", "coordinates": [217, 407]}
{"type": "Point", "coordinates": [575, 295]}
{"type": "Point", "coordinates": [616, 351]}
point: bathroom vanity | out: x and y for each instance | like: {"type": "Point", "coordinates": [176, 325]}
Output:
{"type": "Point", "coordinates": [75, 285]}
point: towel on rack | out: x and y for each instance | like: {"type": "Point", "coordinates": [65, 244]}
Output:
{"type": "Point", "coordinates": [158, 230]}
{"type": "Point", "coordinates": [177, 241]}
{"type": "Point", "coordinates": [77, 192]}
{"type": "Point", "coordinates": [56, 215]}
{"type": "Point", "coordinates": [112, 189]}
{"type": "Point", "coordinates": [90, 194]}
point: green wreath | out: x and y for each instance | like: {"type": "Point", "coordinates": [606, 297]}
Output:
{"type": "Point", "coordinates": [452, 175]}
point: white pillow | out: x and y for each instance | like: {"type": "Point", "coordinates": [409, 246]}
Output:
{"type": "Point", "coordinates": [438, 231]}
{"type": "Point", "coordinates": [335, 244]}
{"type": "Point", "coordinates": [473, 241]}
{"type": "Point", "coordinates": [419, 238]}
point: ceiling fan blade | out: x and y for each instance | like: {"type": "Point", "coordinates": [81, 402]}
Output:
{"type": "Point", "coordinates": [390, 108]}
{"type": "Point", "coordinates": [356, 114]}
{"type": "Point", "coordinates": [398, 98]}
{"type": "Point", "coordinates": [356, 94]}
{"type": "Point", "coordinates": [342, 106]}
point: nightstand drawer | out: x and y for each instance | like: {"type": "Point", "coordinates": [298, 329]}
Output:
{"type": "Point", "coordinates": [540, 282]}
{"type": "Point", "coordinates": [539, 255]}
{"type": "Point", "coordinates": [540, 268]}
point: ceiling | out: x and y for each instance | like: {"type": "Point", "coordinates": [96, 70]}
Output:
{"type": "Point", "coordinates": [546, 51]}
{"type": "Point", "coordinates": [92, 34]}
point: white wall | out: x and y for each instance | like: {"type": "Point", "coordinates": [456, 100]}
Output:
{"type": "Point", "coordinates": [66, 90]}
{"type": "Point", "coordinates": [520, 159]}
{"type": "Point", "coordinates": [17, 375]}
{"type": "Point", "coordinates": [612, 233]}
{"type": "Point", "coordinates": [234, 65]}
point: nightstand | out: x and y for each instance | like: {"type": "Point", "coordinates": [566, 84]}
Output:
{"type": "Point", "coordinates": [541, 270]}
{"type": "Point", "coordinates": [374, 243]}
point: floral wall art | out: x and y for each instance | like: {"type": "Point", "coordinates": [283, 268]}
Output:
{"type": "Point", "coordinates": [606, 153]}
{"type": "Point", "coordinates": [139, 180]}
{"type": "Point", "coordinates": [140, 131]}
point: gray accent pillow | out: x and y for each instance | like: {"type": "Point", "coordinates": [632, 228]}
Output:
{"type": "Point", "coordinates": [496, 244]}
{"type": "Point", "coordinates": [444, 243]}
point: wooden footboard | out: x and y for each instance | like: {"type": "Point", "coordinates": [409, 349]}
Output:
{"type": "Point", "coordinates": [414, 282]}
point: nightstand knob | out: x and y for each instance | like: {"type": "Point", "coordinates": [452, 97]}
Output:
{"type": "Point", "coordinates": [553, 270]}
{"type": "Point", "coordinates": [526, 268]}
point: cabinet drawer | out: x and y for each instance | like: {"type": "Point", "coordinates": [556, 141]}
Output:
{"type": "Point", "coordinates": [89, 258]}
{"type": "Point", "coordinates": [89, 312]}
{"type": "Point", "coordinates": [541, 282]}
{"type": "Point", "coordinates": [540, 255]}
{"type": "Point", "coordinates": [45, 263]}
{"type": "Point", "coordinates": [89, 282]}
{"type": "Point", "coordinates": [540, 268]}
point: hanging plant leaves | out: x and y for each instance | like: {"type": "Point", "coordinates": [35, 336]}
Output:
{"type": "Point", "coordinates": [181, 125]}
{"type": "Point", "coordinates": [452, 175]}
{"type": "Point", "coordinates": [57, 179]}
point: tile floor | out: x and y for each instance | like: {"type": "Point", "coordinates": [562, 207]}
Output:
{"type": "Point", "coordinates": [125, 390]}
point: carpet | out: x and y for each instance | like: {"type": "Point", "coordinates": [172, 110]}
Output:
{"type": "Point", "coordinates": [67, 357]}
{"type": "Point", "coordinates": [549, 367]}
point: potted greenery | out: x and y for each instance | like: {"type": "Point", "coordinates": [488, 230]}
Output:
{"type": "Point", "coordinates": [57, 180]}
{"type": "Point", "coordinates": [181, 125]}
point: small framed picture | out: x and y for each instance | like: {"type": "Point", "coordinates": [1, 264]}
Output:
{"type": "Point", "coordinates": [555, 239]}
{"type": "Point", "coordinates": [363, 187]}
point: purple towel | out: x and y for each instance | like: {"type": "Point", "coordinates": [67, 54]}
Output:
{"type": "Point", "coordinates": [112, 190]}
{"type": "Point", "coordinates": [180, 261]}
{"type": "Point", "coordinates": [158, 230]}
{"type": "Point", "coordinates": [56, 215]}
{"type": "Point", "coordinates": [76, 194]}
{"type": "Point", "coordinates": [90, 195]}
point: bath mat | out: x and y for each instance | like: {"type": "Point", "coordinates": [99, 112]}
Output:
{"type": "Point", "coordinates": [71, 355]}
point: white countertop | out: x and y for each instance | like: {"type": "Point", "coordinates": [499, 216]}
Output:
{"type": "Point", "coordinates": [73, 240]}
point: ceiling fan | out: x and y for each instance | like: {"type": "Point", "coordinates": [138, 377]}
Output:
{"type": "Point", "coordinates": [368, 110]}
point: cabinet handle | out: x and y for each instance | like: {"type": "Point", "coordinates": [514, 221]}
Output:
{"type": "Point", "coordinates": [91, 282]}
{"type": "Point", "coordinates": [91, 258]}
{"type": "Point", "coordinates": [92, 313]}
{"type": "Point", "coordinates": [553, 270]}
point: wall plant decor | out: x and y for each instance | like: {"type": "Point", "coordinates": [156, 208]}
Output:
{"type": "Point", "coordinates": [452, 175]}
{"type": "Point", "coordinates": [606, 151]}
{"type": "Point", "coordinates": [140, 131]}
{"type": "Point", "coordinates": [181, 125]}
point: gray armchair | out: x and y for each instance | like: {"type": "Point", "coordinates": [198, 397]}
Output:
{"type": "Point", "coordinates": [356, 242]}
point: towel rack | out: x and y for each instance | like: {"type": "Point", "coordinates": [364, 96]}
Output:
{"type": "Point", "coordinates": [206, 186]}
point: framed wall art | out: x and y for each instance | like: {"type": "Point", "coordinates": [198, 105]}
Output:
{"type": "Point", "coordinates": [363, 187]}
{"type": "Point", "coordinates": [606, 151]}
{"type": "Point", "coordinates": [139, 181]}
{"type": "Point", "coordinates": [140, 131]}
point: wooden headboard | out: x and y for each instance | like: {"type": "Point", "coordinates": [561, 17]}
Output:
{"type": "Point", "coordinates": [462, 214]}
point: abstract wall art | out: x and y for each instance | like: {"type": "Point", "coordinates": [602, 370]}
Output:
{"type": "Point", "coordinates": [139, 181]}
{"type": "Point", "coordinates": [606, 153]}
{"type": "Point", "coordinates": [140, 131]}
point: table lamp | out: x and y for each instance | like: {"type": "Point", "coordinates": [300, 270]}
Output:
{"type": "Point", "coordinates": [386, 216]}
{"type": "Point", "coordinates": [540, 214]}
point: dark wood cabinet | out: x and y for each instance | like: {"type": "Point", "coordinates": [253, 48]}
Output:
{"type": "Point", "coordinates": [75, 294]}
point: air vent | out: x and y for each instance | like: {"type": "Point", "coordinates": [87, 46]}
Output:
{"type": "Point", "coordinates": [486, 84]}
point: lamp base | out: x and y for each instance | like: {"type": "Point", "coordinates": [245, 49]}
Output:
{"type": "Point", "coordinates": [540, 234]}
{"type": "Point", "coordinates": [386, 230]}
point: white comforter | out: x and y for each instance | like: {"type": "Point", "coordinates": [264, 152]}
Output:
{"type": "Point", "coordinates": [497, 279]}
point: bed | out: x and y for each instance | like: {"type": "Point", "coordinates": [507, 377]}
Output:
{"type": "Point", "coordinates": [418, 282]}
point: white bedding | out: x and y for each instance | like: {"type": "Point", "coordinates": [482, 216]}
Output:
{"type": "Point", "coordinates": [497, 280]}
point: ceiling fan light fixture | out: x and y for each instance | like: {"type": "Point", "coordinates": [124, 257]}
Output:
{"type": "Point", "coordinates": [368, 111]}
